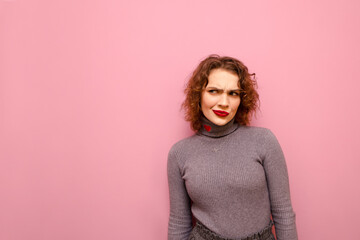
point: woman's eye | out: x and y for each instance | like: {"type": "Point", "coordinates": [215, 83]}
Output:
{"type": "Point", "coordinates": [212, 91]}
{"type": "Point", "coordinates": [234, 94]}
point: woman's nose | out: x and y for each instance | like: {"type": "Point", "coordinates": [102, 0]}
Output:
{"type": "Point", "coordinates": [224, 101]}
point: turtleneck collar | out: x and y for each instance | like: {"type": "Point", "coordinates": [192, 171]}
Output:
{"type": "Point", "coordinates": [212, 130]}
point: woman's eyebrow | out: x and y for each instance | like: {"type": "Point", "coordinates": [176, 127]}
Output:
{"type": "Point", "coordinates": [231, 90]}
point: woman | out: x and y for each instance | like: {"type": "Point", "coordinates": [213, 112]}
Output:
{"type": "Point", "coordinates": [228, 177]}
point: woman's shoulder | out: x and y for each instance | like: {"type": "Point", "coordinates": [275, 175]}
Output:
{"type": "Point", "coordinates": [255, 131]}
{"type": "Point", "coordinates": [181, 150]}
{"type": "Point", "coordinates": [262, 135]}
{"type": "Point", "coordinates": [254, 134]}
{"type": "Point", "coordinates": [184, 143]}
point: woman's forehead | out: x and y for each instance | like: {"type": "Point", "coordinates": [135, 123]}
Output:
{"type": "Point", "coordinates": [232, 84]}
{"type": "Point", "coordinates": [222, 78]}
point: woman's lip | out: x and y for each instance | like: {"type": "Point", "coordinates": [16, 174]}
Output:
{"type": "Point", "coordinates": [221, 113]}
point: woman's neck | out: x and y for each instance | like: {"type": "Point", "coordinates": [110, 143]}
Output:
{"type": "Point", "coordinates": [210, 129]}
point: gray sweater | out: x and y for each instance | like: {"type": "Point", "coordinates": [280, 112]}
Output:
{"type": "Point", "coordinates": [232, 179]}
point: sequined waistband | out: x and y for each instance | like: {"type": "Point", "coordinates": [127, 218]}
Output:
{"type": "Point", "coordinates": [206, 233]}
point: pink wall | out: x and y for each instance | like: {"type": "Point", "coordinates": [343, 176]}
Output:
{"type": "Point", "coordinates": [90, 93]}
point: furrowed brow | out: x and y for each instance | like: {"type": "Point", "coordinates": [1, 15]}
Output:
{"type": "Point", "coordinates": [222, 90]}
{"type": "Point", "coordinates": [235, 90]}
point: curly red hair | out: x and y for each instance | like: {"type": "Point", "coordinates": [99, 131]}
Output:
{"type": "Point", "coordinates": [197, 83]}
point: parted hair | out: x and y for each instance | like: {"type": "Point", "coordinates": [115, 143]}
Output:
{"type": "Point", "coordinates": [249, 98]}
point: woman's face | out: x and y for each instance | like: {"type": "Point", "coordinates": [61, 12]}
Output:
{"type": "Point", "coordinates": [221, 97]}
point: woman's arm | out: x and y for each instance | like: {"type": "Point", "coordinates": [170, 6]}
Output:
{"type": "Point", "coordinates": [180, 220]}
{"type": "Point", "coordinates": [279, 191]}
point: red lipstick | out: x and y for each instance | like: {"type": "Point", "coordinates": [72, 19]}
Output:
{"type": "Point", "coordinates": [221, 113]}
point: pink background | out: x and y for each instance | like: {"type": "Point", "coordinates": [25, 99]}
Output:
{"type": "Point", "coordinates": [90, 93]}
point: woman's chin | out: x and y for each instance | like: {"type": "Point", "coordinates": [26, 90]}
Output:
{"type": "Point", "coordinates": [220, 122]}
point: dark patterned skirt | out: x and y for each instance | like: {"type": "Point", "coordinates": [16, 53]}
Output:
{"type": "Point", "coordinates": [200, 232]}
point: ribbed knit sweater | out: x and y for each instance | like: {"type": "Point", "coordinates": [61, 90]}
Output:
{"type": "Point", "coordinates": [232, 179]}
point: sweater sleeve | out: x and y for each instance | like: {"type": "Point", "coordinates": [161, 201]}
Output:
{"type": "Point", "coordinates": [279, 190]}
{"type": "Point", "coordinates": [180, 220]}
